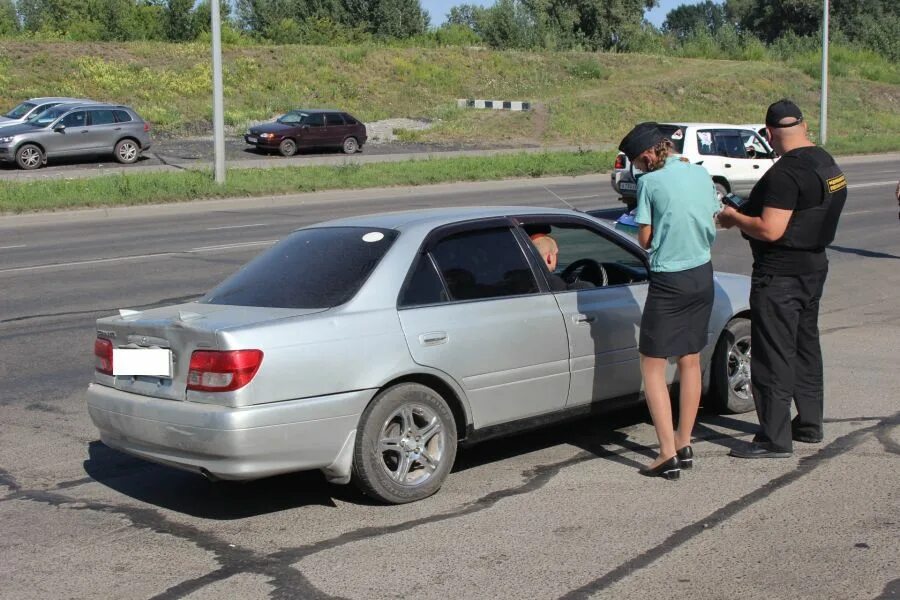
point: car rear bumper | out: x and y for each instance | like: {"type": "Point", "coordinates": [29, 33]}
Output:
{"type": "Point", "coordinates": [228, 443]}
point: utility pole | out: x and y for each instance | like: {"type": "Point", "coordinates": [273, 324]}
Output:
{"type": "Point", "coordinates": [823, 107]}
{"type": "Point", "coordinates": [218, 104]}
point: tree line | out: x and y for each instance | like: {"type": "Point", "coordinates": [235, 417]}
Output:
{"type": "Point", "coordinates": [609, 25]}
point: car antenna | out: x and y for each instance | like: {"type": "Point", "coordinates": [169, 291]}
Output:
{"type": "Point", "coordinates": [549, 191]}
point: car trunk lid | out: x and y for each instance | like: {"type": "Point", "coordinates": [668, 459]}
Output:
{"type": "Point", "coordinates": [180, 330]}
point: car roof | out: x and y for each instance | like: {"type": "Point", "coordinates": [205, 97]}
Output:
{"type": "Point", "coordinates": [710, 125]}
{"type": "Point", "coordinates": [316, 110]}
{"type": "Point", "coordinates": [85, 105]}
{"type": "Point", "coordinates": [436, 217]}
{"type": "Point", "coordinates": [56, 99]}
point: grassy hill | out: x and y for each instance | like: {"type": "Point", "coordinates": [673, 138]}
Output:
{"type": "Point", "coordinates": [580, 98]}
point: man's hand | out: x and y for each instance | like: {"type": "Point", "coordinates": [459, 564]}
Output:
{"type": "Point", "coordinates": [727, 217]}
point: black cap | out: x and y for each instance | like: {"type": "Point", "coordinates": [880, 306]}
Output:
{"type": "Point", "coordinates": [642, 136]}
{"type": "Point", "coordinates": [781, 110]}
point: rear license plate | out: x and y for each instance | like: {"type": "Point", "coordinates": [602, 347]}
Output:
{"type": "Point", "coordinates": [252, 140]}
{"type": "Point", "coordinates": [626, 185]}
{"type": "Point", "coordinates": [154, 362]}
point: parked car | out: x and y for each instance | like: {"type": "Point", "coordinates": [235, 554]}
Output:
{"type": "Point", "coordinates": [68, 130]}
{"type": "Point", "coordinates": [303, 128]}
{"type": "Point", "coordinates": [33, 107]}
{"type": "Point", "coordinates": [736, 157]}
{"type": "Point", "coordinates": [369, 347]}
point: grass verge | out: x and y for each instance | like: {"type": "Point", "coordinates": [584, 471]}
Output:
{"type": "Point", "coordinates": [154, 188]}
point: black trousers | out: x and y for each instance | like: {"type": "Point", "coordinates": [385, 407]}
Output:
{"type": "Point", "coordinates": [787, 357]}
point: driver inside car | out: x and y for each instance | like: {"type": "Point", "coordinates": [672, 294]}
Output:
{"type": "Point", "coordinates": [549, 251]}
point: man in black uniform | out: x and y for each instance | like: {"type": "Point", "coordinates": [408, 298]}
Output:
{"type": "Point", "coordinates": [790, 217]}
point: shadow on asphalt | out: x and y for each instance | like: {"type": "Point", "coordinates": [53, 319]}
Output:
{"type": "Point", "coordinates": [191, 494]}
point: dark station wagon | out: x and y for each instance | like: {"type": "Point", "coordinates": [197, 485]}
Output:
{"type": "Point", "coordinates": [302, 128]}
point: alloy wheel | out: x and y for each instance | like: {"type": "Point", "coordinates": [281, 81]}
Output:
{"type": "Point", "coordinates": [411, 444]}
{"type": "Point", "coordinates": [738, 367]}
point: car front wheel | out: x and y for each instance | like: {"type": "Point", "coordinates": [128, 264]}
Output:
{"type": "Point", "coordinates": [730, 385]}
{"type": "Point", "coordinates": [287, 147]}
{"type": "Point", "coordinates": [405, 444]}
{"type": "Point", "coordinates": [127, 151]}
{"type": "Point", "coordinates": [351, 145]}
{"type": "Point", "coordinates": [29, 157]}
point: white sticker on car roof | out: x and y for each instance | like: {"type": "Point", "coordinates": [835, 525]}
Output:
{"type": "Point", "coordinates": [373, 236]}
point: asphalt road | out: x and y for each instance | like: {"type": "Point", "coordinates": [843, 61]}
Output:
{"type": "Point", "coordinates": [559, 513]}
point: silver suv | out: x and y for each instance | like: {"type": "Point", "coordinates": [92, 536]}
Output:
{"type": "Point", "coordinates": [736, 157]}
{"type": "Point", "coordinates": [75, 130]}
{"type": "Point", "coordinates": [33, 107]}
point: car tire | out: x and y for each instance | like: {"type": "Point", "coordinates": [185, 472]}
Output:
{"type": "Point", "coordinates": [730, 390]}
{"type": "Point", "coordinates": [29, 156]}
{"type": "Point", "coordinates": [405, 444]}
{"type": "Point", "coordinates": [127, 151]}
{"type": "Point", "coordinates": [350, 145]}
{"type": "Point", "coordinates": [287, 147]}
{"type": "Point", "coordinates": [721, 190]}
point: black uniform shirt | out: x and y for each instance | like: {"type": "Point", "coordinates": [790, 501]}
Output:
{"type": "Point", "coordinates": [791, 184]}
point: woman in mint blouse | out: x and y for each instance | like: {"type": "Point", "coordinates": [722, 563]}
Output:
{"type": "Point", "coordinates": [676, 205]}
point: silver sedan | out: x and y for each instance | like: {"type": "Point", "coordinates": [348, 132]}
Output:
{"type": "Point", "coordinates": [371, 347]}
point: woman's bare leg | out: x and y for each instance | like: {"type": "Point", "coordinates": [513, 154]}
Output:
{"type": "Point", "coordinates": [660, 405]}
{"type": "Point", "coordinates": [689, 398]}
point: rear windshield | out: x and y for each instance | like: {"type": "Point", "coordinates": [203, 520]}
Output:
{"type": "Point", "coordinates": [311, 268]}
{"type": "Point", "coordinates": [676, 134]}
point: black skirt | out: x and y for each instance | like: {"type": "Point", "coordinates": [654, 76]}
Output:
{"type": "Point", "coordinates": [676, 314]}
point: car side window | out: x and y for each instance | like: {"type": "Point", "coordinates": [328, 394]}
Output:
{"type": "Point", "coordinates": [122, 116]}
{"type": "Point", "coordinates": [729, 144]}
{"type": "Point", "coordinates": [333, 119]}
{"type": "Point", "coordinates": [102, 117]}
{"type": "Point", "coordinates": [586, 258]}
{"type": "Point", "coordinates": [314, 120]}
{"type": "Point", "coordinates": [705, 144]}
{"type": "Point", "coordinates": [485, 263]}
{"type": "Point", "coordinates": [424, 285]}
{"type": "Point", "coordinates": [349, 120]}
{"type": "Point", "coordinates": [75, 119]}
{"type": "Point", "coordinates": [754, 145]}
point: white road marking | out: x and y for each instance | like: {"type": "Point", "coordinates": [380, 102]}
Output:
{"type": "Point", "coordinates": [871, 184]}
{"type": "Point", "coordinates": [79, 263]}
{"type": "Point", "coordinates": [230, 246]}
{"type": "Point", "coordinates": [11, 247]}
{"type": "Point", "coordinates": [236, 226]}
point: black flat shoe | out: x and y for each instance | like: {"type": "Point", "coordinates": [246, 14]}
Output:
{"type": "Point", "coordinates": [685, 457]}
{"type": "Point", "coordinates": [754, 450]}
{"type": "Point", "coordinates": [667, 470]}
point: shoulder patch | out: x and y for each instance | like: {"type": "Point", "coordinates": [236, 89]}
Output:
{"type": "Point", "coordinates": [836, 183]}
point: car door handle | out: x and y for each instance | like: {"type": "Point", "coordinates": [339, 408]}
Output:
{"type": "Point", "coordinates": [433, 338]}
{"type": "Point", "coordinates": [582, 318]}
{"type": "Point", "coordinates": [118, 129]}
{"type": "Point", "coordinates": [727, 165]}
{"type": "Point", "coordinates": [755, 166]}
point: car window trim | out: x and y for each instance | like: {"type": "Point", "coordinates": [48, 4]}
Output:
{"type": "Point", "coordinates": [444, 231]}
{"type": "Point", "coordinates": [626, 245]}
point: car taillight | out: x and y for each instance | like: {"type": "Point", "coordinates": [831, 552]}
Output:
{"type": "Point", "coordinates": [222, 371]}
{"type": "Point", "coordinates": [103, 356]}
{"type": "Point", "coordinates": [620, 162]}
{"type": "Point", "coordinates": [146, 126]}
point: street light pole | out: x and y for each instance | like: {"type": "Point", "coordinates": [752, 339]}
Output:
{"type": "Point", "coordinates": [823, 107]}
{"type": "Point", "coordinates": [218, 104]}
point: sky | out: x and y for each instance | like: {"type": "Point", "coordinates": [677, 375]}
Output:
{"type": "Point", "coordinates": [438, 9]}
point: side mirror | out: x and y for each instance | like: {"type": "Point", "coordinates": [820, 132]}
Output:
{"type": "Point", "coordinates": [59, 128]}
